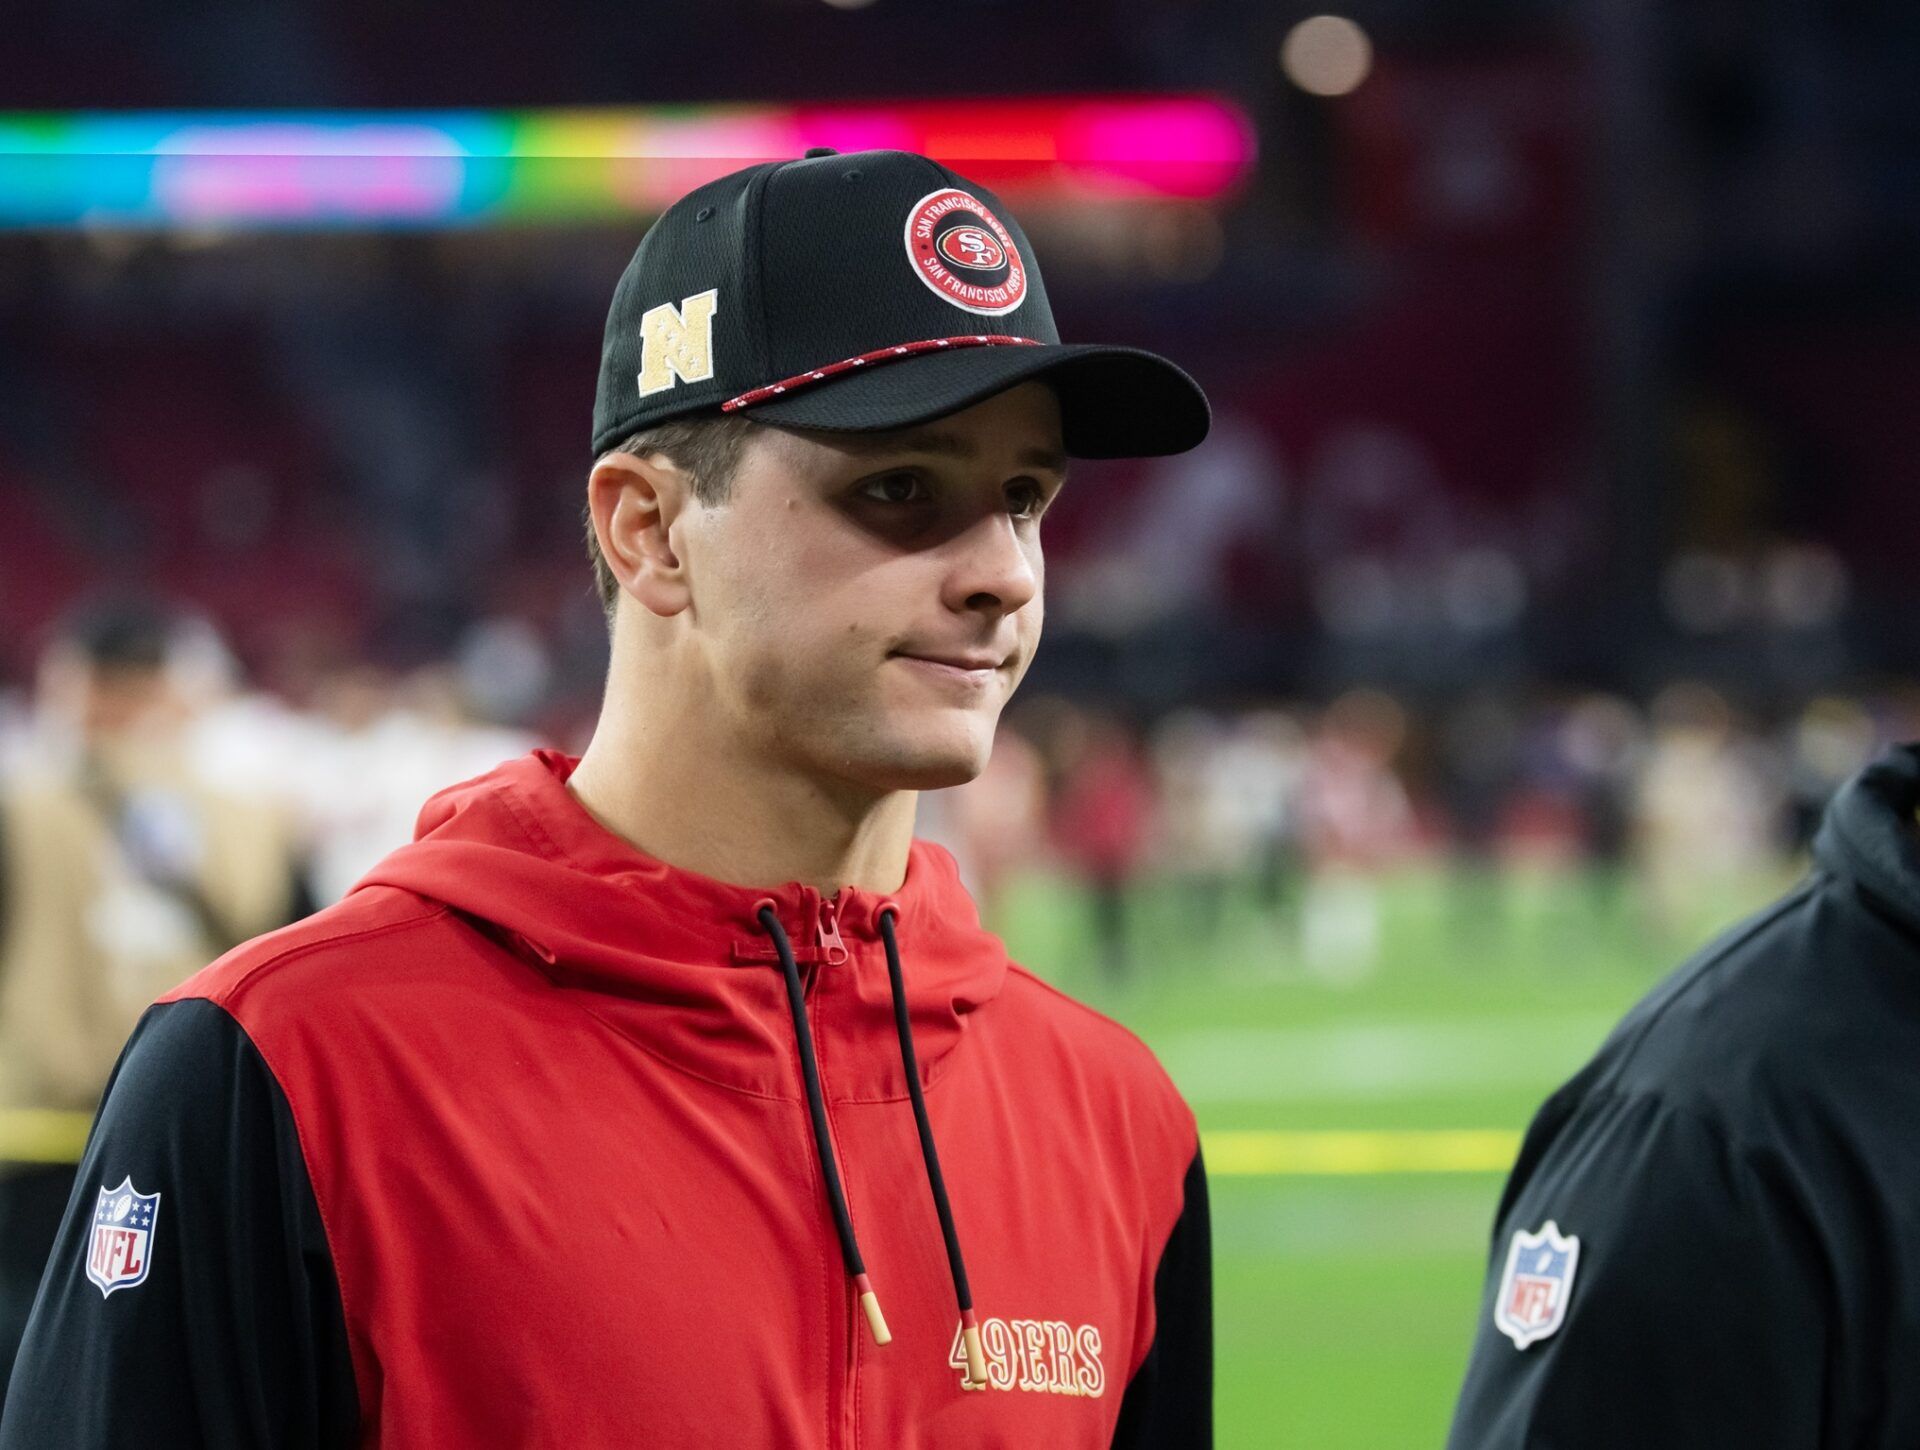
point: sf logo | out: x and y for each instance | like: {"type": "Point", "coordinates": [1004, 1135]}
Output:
{"type": "Point", "coordinates": [972, 247]}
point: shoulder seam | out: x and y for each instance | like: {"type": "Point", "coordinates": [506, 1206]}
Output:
{"type": "Point", "coordinates": [1701, 1116]}
{"type": "Point", "coordinates": [1160, 1254]}
{"type": "Point", "coordinates": [1094, 1012]}
{"type": "Point", "coordinates": [295, 1115]}
{"type": "Point", "coordinates": [1152, 1057]}
{"type": "Point", "coordinates": [295, 951]}
{"type": "Point", "coordinates": [1712, 956]}
{"type": "Point", "coordinates": [1764, 1161]}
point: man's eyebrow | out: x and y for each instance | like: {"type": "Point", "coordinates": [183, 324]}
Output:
{"type": "Point", "coordinates": [946, 445]}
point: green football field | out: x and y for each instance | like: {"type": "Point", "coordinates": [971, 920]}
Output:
{"type": "Point", "coordinates": [1358, 1118]}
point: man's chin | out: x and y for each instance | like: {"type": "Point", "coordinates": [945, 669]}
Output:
{"type": "Point", "coordinates": [925, 764]}
{"type": "Point", "coordinates": [922, 773]}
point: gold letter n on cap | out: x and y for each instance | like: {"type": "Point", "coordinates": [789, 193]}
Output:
{"type": "Point", "coordinates": [677, 340]}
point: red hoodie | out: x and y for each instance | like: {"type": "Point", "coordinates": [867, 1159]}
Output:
{"type": "Point", "coordinates": [511, 1147]}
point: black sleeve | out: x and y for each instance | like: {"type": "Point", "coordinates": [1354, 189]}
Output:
{"type": "Point", "coordinates": [1169, 1401]}
{"type": "Point", "coordinates": [191, 1299]}
{"type": "Point", "coordinates": [1695, 1307]}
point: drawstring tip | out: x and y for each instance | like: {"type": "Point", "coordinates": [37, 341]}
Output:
{"type": "Point", "coordinates": [870, 1306]}
{"type": "Point", "coordinates": [976, 1358]}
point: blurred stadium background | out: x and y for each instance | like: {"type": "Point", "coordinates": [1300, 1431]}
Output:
{"type": "Point", "coordinates": [1550, 562]}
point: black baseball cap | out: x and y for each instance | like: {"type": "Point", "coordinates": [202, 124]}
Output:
{"type": "Point", "coordinates": [871, 290]}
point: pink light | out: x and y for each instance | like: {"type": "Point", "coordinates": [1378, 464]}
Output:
{"type": "Point", "coordinates": [1186, 149]}
{"type": "Point", "coordinates": [1189, 147]}
{"type": "Point", "coordinates": [878, 129]}
{"type": "Point", "coordinates": [217, 188]}
{"type": "Point", "coordinates": [292, 138]}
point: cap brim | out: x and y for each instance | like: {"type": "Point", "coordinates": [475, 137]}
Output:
{"type": "Point", "coordinates": [1115, 402]}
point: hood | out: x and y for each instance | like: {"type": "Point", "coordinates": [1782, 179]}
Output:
{"type": "Point", "coordinates": [682, 962]}
{"type": "Point", "coordinates": [1869, 834]}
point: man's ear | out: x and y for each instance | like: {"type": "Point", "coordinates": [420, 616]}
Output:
{"type": "Point", "coordinates": [634, 503]}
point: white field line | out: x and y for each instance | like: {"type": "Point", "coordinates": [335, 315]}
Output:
{"type": "Point", "coordinates": [1379, 1061]}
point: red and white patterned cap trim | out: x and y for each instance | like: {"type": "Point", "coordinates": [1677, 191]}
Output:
{"type": "Point", "coordinates": [871, 359]}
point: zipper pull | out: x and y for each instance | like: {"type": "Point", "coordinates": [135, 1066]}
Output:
{"type": "Point", "coordinates": [833, 951]}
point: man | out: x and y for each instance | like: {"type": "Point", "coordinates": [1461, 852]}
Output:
{"type": "Point", "coordinates": [1712, 1237]}
{"type": "Point", "coordinates": [120, 872]}
{"type": "Point", "coordinates": [651, 1099]}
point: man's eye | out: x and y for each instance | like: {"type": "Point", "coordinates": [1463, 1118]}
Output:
{"type": "Point", "coordinates": [1026, 500]}
{"type": "Point", "coordinates": [895, 488]}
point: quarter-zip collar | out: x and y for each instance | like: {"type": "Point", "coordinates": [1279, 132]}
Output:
{"type": "Point", "coordinates": [680, 962]}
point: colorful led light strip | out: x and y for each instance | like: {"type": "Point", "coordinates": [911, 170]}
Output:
{"type": "Point", "coordinates": [479, 168]}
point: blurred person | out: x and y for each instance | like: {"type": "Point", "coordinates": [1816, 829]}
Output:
{"type": "Point", "coordinates": [387, 740]}
{"type": "Point", "coordinates": [1481, 771]}
{"type": "Point", "coordinates": [1102, 820]}
{"type": "Point", "coordinates": [1710, 1236]}
{"type": "Point", "coordinates": [576, 1120]}
{"type": "Point", "coordinates": [1268, 761]}
{"type": "Point", "coordinates": [1544, 852]}
{"type": "Point", "coordinates": [1830, 742]}
{"type": "Point", "coordinates": [1198, 839]}
{"type": "Point", "coordinates": [996, 823]}
{"type": "Point", "coordinates": [350, 770]}
{"type": "Point", "coordinates": [16, 728]}
{"type": "Point", "coordinates": [1228, 818]}
{"type": "Point", "coordinates": [1600, 747]}
{"type": "Point", "coordinates": [121, 873]}
{"type": "Point", "coordinates": [1481, 749]}
{"type": "Point", "coordinates": [1707, 807]}
{"type": "Point", "coordinates": [1356, 820]}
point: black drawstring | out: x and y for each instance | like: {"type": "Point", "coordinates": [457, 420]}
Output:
{"type": "Point", "coordinates": [817, 1108]}
{"type": "Point", "coordinates": [836, 1194]}
{"type": "Point", "coordinates": [969, 1328]}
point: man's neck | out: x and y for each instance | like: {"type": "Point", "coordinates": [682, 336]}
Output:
{"type": "Point", "coordinates": [680, 796]}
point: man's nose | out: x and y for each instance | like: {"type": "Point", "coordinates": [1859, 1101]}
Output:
{"type": "Point", "coordinates": [993, 568]}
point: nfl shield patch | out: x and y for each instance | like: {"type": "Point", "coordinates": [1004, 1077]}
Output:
{"type": "Point", "coordinates": [121, 1246]}
{"type": "Point", "coordinates": [1532, 1301]}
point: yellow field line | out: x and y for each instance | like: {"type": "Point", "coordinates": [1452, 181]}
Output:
{"type": "Point", "coordinates": [31, 1135]}
{"type": "Point", "coordinates": [1255, 1153]}
{"type": "Point", "coordinates": [41, 1135]}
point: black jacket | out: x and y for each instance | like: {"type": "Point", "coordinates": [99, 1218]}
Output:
{"type": "Point", "coordinates": [1740, 1168]}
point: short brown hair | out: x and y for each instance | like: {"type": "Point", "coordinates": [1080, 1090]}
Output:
{"type": "Point", "coordinates": [707, 447]}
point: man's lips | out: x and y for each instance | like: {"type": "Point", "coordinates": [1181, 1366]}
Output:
{"type": "Point", "coordinates": [970, 672]}
{"type": "Point", "coordinates": [955, 659]}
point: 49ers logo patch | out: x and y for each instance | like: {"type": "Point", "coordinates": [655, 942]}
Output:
{"type": "Point", "coordinates": [1048, 1356]}
{"type": "Point", "coordinates": [960, 250]}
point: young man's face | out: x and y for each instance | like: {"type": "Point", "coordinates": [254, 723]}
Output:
{"type": "Point", "coordinates": [867, 602]}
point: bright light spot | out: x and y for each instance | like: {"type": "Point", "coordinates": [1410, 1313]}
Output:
{"type": "Point", "coordinates": [1326, 55]}
{"type": "Point", "coordinates": [849, 4]}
